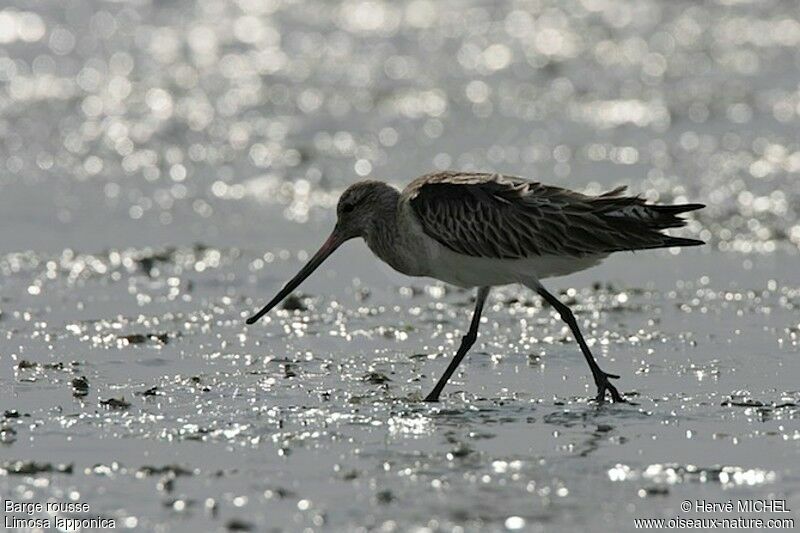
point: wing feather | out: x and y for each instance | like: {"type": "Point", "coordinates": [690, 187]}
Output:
{"type": "Point", "coordinates": [497, 216]}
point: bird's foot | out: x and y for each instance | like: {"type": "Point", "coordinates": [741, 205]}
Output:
{"type": "Point", "coordinates": [603, 384]}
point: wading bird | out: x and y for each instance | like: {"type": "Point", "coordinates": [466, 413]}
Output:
{"type": "Point", "coordinates": [475, 229]}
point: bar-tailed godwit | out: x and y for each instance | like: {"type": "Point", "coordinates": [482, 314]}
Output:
{"type": "Point", "coordinates": [478, 230]}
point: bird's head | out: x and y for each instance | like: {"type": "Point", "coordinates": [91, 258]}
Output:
{"type": "Point", "coordinates": [359, 205]}
{"type": "Point", "coordinates": [357, 210]}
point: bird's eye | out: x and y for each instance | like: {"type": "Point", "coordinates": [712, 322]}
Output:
{"type": "Point", "coordinates": [347, 208]}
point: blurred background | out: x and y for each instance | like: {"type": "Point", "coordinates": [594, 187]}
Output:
{"type": "Point", "coordinates": [173, 121]}
{"type": "Point", "coordinates": [166, 165]}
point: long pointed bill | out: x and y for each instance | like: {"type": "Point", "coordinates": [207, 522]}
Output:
{"type": "Point", "coordinates": [333, 242]}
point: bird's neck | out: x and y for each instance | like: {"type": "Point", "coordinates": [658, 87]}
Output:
{"type": "Point", "coordinates": [382, 228]}
{"type": "Point", "coordinates": [384, 236]}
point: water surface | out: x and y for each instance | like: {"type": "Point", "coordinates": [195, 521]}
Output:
{"type": "Point", "coordinates": [167, 166]}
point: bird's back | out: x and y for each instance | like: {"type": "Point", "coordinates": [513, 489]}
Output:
{"type": "Point", "coordinates": [507, 217]}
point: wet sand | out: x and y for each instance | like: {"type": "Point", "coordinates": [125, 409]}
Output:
{"type": "Point", "coordinates": [169, 166]}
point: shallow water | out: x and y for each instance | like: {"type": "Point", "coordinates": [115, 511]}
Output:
{"type": "Point", "coordinates": [167, 166]}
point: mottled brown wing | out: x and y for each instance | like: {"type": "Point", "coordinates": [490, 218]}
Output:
{"type": "Point", "coordinates": [496, 216]}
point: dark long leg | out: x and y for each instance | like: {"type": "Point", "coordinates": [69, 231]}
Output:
{"type": "Point", "coordinates": [600, 377]}
{"type": "Point", "coordinates": [466, 343]}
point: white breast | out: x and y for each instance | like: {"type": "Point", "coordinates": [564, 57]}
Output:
{"type": "Point", "coordinates": [467, 271]}
{"type": "Point", "coordinates": [436, 261]}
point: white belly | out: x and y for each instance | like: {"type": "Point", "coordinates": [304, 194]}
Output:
{"type": "Point", "coordinates": [434, 260]}
{"type": "Point", "coordinates": [467, 271]}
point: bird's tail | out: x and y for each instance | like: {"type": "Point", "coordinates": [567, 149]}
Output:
{"type": "Point", "coordinates": [679, 241]}
{"type": "Point", "coordinates": [632, 214]}
{"type": "Point", "coordinates": [666, 216]}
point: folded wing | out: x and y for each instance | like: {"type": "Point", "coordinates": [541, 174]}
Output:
{"type": "Point", "coordinates": [506, 217]}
